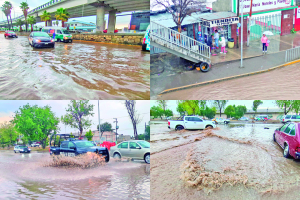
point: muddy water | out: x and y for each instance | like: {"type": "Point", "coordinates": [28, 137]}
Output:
{"type": "Point", "coordinates": [23, 176]}
{"type": "Point", "coordinates": [242, 159]}
{"type": "Point", "coordinates": [78, 70]}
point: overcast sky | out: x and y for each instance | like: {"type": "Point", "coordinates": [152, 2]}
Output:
{"type": "Point", "coordinates": [172, 104]}
{"type": "Point", "coordinates": [122, 21]}
{"type": "Point", "coordinates": [108, 110]}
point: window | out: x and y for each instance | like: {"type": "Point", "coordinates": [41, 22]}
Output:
{"type": "Point", "coordinates": [58, 31]}
{"type": "Point", "coordinates": [64, 145]}
{"type": "Point", "coordinates": [123, 145]}
{"type": "Point", "coordinates": [75, 24]}
{"type": "Point", "coordinates": [71, 145]}
{"type": "Point", "coordinates": [293, 131]}
{"type": "Point", "coordinates": [297, 116]}
{"type": "Point", "coordinates": [197, 119]}
{"type": "Point", "coordinates": [133, 145]}
{"type": "Point", "coordinates": [294, 116]}
{"type": "Point", "coordinates": [283, 127]}
{"type": "Point", "coordinates": [288, 129]}
{"type": "Point", "coordinates": [288, 117]}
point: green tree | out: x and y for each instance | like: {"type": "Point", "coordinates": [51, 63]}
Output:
{"type": "Point", "coordinates": [6, 9]}
{"type": "Point", "coordinates": [288, 105]}
{"type": "Point", "coordinates": [45, 17]}
{"type": "Point", "coordinates": [229, 111]}
{"type": "Point", "coordinates": [168, 113]}
{"type": "Point", "coordinates": [24, 7]}
{"type": "Point", "coordinates": [105, 127]}
{"type": "Point", "coordinates": [191, 107]}
{"type": "Point", "coordinates": [156, 111]}
{"type": "Point", "coordinates": [31, 20]}
{"type": "Point", "coordinates": [36, 123]}
{"type": "Point", "coordinates": [255, 105]}
{"type": "Point", "coordinates": [180, 108]}
{"type": "Point", "coordinates": [220, 105]}
{"type": "Point", "coordinates": [63, 15]}
{"type": "Point", "coordinates": [239, 111]}
{"type": "Point", "coordinates": [9, 133]}
{"type": "Point", "coordinates": [20, 23]}
{"type": "Point", "coordinates": [89, 135]}
{"type": "Point", "coordinates": [77, 115]}
{"type": "Point", "coordinates": [162, 104]}
{"type": "Point", "coordinates": [210, 112]}
{"type": "Point", "coordinates": [141, 136]}
{"type": "Point", "coordinates": [147, 133]}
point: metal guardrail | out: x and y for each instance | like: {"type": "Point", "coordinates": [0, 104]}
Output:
{"type": "Point", "coordinates": [155, 50]}
{"type": "Point", "coordinates": [190, 46]}
{"type": "Point", "coordinates": [292, 54]}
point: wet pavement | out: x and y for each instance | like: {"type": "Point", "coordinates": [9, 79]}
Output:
{"type": "Point", "coordinates": [269, 85]}
{"type": "Point", "coordinates": [24, 176]}
{"type": "Point", "coordinates": [78, 70]}
{"type": "Point", "coordinates": [234, 161]}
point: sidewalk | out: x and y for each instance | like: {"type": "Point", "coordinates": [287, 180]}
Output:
{"type": "Point", "coordinates": [172, 73]}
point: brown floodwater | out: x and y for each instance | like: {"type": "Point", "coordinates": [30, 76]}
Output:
{"type": "Point", "coordinates": [234, 161]}
{"type": "Point", "coordinates": [78, 70]}
{"type": "Point", "coordinates": [24, 176]}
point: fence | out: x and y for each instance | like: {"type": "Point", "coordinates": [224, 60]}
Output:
{"type": "Point", "coordinates": [292, 54]}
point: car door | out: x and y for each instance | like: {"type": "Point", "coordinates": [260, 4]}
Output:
{"type": "Point", "coordinates": [123, 149]}
{"type": "Point", "coordinates": [135, 151]}
{"type": "Point", "coordinates": [188, 123]}
{"type": "Point", "coordinates": [280, 136]}
{"type": "Point", "coordinates": [71, 149]}
{"type": "Point", "coordinates": [292, 140]}
{"type": "Point", "coordinates": [198, 123]}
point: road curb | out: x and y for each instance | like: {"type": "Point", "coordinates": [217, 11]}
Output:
{"type": "Point", "coordinates": [226, 78]}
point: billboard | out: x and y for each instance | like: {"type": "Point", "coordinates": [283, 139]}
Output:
{"type": "Point", "coordinates": [260, 5]}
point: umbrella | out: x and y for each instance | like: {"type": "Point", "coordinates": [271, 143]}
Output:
{"type": "Point", "coordinates": [268, 33]}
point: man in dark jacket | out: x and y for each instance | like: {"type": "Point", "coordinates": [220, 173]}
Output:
{"type": "Point", "coordinates": [209, 41]}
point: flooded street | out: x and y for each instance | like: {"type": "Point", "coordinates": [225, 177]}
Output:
{"type": "Point", "coordinates": [23, 176]}
{"type": "Point", "coordinates": [78, 70]}
{"type": "Point", "coordinates": [234, 161]}
{"type": "Point", "coordinates": [250, 87]}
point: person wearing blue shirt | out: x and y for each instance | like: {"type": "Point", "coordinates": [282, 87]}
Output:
{"type": "Point", "coordinates": [216, 36]}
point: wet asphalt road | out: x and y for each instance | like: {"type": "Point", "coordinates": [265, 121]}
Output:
{"type": "Point", "coordinates": [23, 176]}
{"type": "Point", "coordinates": [234, 151]}
{"type": "Point", "coordinates": [78, 70]}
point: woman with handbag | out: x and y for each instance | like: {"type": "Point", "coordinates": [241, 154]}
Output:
{"type": "Point", "coordinates": [264, 41]}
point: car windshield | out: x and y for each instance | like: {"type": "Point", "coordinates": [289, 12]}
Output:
{"type": "Point", "coordinates": [144, 144]}
{"type": "Point", "coordinates": [11, 32]}
{"type": "Point", "coordinates": [40, 34]}
{"type": "Point", "coordinates": [22, 147]}
{"type": "Point", "coordinates": [83, 144]}
{"type": "Point", "coordinates": [65, 32]}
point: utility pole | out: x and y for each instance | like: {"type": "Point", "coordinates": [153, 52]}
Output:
{"type": "Point", "coordinates": [238, 15]}
{"type": "Point", "coordinates": [116, 127]}
{"type": "Point", "coordinates": [250, 15]}
{"type": "Point", "coordinates": [99, 122]}
{"type": "Point", "coordinates": [242, 32]}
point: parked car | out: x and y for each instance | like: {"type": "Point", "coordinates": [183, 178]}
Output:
{"type": "Point", "coordinates": [221, 120]}
{"type": "Point", "coordinates": [190, 122]}
{"type": "Point", "coordinates": [21, 149]}
{"type": "Point", "coordinates": [40, 39]}
{"type": "Point", "coordinates": [288, 137]}
{"type": "Point", "coordinates": [135, 149]}
{"type": "Point", "coordinates": [244, 119]}
{"type": "Point", "coordinates": [261, 118]}
{"type": "Point", "coordinates": [10, 34]}
{"type": "Point", "coordinates": [63, 144]}
{"type": "Point", "coordinates": [35, 144]}
{"type": "Point", "coordinates": [290, 118]}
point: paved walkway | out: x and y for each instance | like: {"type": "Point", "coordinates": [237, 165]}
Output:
{"type": "Point", "coordinates": [172, 72]}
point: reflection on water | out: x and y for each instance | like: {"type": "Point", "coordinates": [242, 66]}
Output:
{"type": "Point", "coordinates": [23, 176]}
{"type": "Point", "coordinates": [75, 70]}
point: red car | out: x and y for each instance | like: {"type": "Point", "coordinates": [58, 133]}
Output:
{"type": "Point", "coordinates": [11, 34]}
{"type": "Point", "coordinates": [288, 137]}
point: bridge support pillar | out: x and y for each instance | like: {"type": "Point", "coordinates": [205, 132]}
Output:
{"type": "Point", "coordinates": [111, 21]}
{"type": "Point", "coordinates": [100, 19]}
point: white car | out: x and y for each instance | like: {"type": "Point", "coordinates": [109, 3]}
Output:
{"type": "Point", "coordinates": [221, 120]}
{"type": "Point", "coordinates": [244, 119]}
{"type": "Point", "coordinates": [35, 145]}
{"type": "Point", "coordinates": [290, 118]}
{"type": "Point", "coordinates": [21, 149]}
{"type": "Point", "coordinates": [190, 122]}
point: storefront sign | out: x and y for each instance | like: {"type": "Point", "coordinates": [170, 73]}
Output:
{"type": "Point", "coordinates": [260, 5]}
{"type": "Point", "coordinates": [220, 22]}
{"type": "Point", "coordinates": [298, 13]}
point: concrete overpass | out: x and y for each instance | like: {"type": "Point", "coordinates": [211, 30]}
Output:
{"type": "Point", "coordinates": [82, 8]}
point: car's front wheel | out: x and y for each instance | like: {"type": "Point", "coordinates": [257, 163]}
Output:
{"type": "Point", "coordinates": [209, 127]}
{"type": "Point", "coordinates": [15, 151]}
{"type": "Point", "coordinates": [286, 151]}
{"type": "Point", "coordinates": [147, 158]}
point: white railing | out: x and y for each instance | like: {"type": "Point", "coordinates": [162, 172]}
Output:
{"type": "Point", "coordinates": [292, 54]}
{"type": "Point", "coordinates": [178, 39]}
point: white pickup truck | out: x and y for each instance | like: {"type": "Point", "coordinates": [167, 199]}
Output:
{"type": "Point", "coordinates": [190, 122]}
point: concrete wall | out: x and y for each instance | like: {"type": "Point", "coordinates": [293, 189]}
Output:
{"type": "Point", "coordinates": [222, 6]}
{"type": "Point", "coordinates": [132, 39]}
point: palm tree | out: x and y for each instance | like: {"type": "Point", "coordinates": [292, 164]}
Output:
{"type": "Point", "coordinates": [63, 15]}
{"type": "Point", "coordinates": [6, 8]}
{"type": "Point", "coordinates": [45, 17]}
{"type": "Point", "coordinates": [31, 21]}
{"type": "Point", "coordinates": [20, 23]}
{"type": "Point", "coordinates": [25, 8]}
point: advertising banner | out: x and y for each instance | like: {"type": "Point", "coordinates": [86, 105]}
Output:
{"type": "Point", "coordinates": [221, 22]}
{"type": "Point", "coordinates": [260, 5]}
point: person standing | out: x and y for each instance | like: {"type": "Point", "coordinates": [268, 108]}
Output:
{"type": "Point", "coordinates": [264, 41]}
{"type": "Point", "coordinates": [216, 36]}
{"type": "Point", "coordinates": [223, 45]}
{"type": "Point", "coordinates": [210, 41]}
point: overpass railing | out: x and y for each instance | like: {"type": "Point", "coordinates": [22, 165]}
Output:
{"type": "Point", "coordinates": [292, 54]}
{"type": "Point", "coordinates": [175, 38]}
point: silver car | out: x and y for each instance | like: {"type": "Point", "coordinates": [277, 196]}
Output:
{"type": "Point", "coordinates": [290, 118]}
{"type": "Point", "coordinates": [135, 149]}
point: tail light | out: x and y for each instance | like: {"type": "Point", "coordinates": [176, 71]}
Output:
{"type": "Point", "coordinates": [168, 123]}
{"type": "Point", "coordinates": [144, 40]}
{"type": "Point", "coordinates": [283, 120]}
